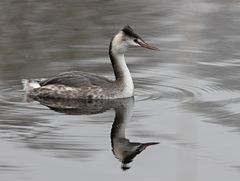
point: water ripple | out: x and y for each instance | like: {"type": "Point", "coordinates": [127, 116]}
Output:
{"type": "Point", "coordinates": [175, 88]}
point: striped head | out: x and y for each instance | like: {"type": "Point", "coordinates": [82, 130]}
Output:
{"type": "Point", "coordinates": [128, 38]}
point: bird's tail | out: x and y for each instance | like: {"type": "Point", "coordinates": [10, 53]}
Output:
{"type": "Point", "coordinates": [30, 84]}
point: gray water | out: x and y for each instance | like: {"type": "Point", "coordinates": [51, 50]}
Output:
{"type": "Point", "coordinates": [187, 96]}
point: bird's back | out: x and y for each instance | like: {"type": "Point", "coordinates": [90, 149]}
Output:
{"type": "Point", "coordinates": [77, 79]}
{"type": "Point", "coordinates": [75, 85]}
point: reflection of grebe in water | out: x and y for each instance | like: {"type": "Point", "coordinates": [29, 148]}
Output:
{"type": "Point", "coordinates": [124, 150]}
{"type": "Point", "coordinates": [82, 85]}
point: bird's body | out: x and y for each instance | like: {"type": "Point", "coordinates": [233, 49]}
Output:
{"type": "Point", "coordinates": [82, 85]}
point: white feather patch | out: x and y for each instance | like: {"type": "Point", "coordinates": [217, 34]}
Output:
{"type": "Point", "coordinates": [30, 84]}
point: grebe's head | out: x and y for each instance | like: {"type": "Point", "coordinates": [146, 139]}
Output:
{"type": "Point", "coordinates": [128, 38]}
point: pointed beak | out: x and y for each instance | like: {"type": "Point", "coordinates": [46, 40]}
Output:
{"type": "Point", "coordinates": [145, 45]}
{"type": "Point", "coordinates": [143, 146]}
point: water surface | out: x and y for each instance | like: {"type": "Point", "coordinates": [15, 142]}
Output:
{"type": "Point", "coordinates": [187, 96]}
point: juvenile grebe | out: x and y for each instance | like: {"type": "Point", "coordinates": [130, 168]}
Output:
{"type": "Point", "coordinates": [81, 85]}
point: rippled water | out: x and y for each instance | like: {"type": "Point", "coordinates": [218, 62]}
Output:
{"type": "Point", "coordinates": [187, 96]}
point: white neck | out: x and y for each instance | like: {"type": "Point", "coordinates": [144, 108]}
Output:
{"type": "Point", "coordinates": [123, 77]}
{"type": "Point", "coordinates": [122, 74]}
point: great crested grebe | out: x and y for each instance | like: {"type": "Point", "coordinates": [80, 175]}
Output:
{"type": "Point", "coordinates": [82, 85]}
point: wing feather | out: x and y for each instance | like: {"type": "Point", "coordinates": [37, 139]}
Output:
{"type": "Point", "coordinates": [76, 79]}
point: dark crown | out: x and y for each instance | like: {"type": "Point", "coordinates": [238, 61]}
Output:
{"type": "Point", "coordinates": [129, 31]}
